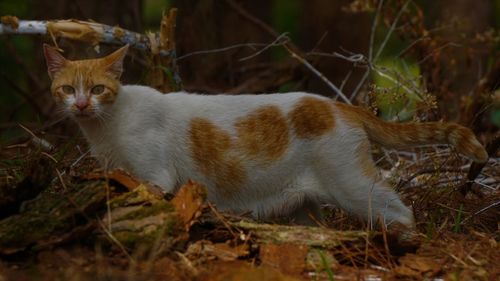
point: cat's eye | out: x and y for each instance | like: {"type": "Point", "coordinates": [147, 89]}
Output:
{"type": "Point", "coordinates": [97, 90]}
{"type": "Point", "coordinates": [68, 89]}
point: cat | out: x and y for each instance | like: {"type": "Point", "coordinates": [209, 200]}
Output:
{"type": "Point", "coordinates": [272, 154]}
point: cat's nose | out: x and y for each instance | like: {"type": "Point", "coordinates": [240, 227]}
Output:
{"type": "Point", "coordinates": [81, 104]}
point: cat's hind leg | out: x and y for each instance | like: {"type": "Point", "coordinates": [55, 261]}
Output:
{"type": "Point", "coordinates": [309, 213]}
{"type": "Point", "coordinates": [355, 185]}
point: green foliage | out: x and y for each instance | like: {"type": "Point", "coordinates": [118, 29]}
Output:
{"type": "Point", "coordinates": [495, 117]}
{"type": "Point", "coordinates": [287, 87]}
{"type": "Point", "coordinates": [494, 110]}
{"type": "Point", "coordinates": [15, 8]}
{"type": "Point", "coordinates": [326, 266]}
{"type": "Point", "coordinates": [152, 13]}
{"type": "Point", "coordinates": [430, 228]}
{"type": "Point", "coordinates": [496, 13]}
{"type": "Point", "coordinates": [397, 100]}
{"type": "Point", "coordinates": [286, 18]}
{"type": "Point", "coordinates": [458, 219]}
{"type": "Point", "coordinates": [173, 80]}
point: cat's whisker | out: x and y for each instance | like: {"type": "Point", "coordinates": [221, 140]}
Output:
{"type": "Point", "coordinates": [105, 114]}
{"type": "Point", "coordinates": [101, 119]}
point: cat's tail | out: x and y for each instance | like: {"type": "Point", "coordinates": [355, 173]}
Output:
{"type": "Point", "coordinates": [404, 135]}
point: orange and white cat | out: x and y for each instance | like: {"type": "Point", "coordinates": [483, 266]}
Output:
{"type": "Point", "coordinates": [273, 154]}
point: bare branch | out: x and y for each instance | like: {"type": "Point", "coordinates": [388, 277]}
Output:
{"type": "Point", "coordinates": [258, 22]}
{"type": "Point", "coordinates": [279, 41]}
{"type": "Point", "coordinates": [320, 75]}
{"type": "Point", "coordinates": [372, 59]}
{"type": "Point", "coordinates": [44, 144]}
{"type": "Point", "coordinates": [391, 30]}
{"type": "Point", "coordinates": [282, 40]}
{"type": "Point", "coordinates": [374, 27]}
{"type": "Point", "coordinates": [355, 58]}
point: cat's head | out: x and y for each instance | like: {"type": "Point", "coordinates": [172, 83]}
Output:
{"type": "Point", "coordinates": [84, 88]}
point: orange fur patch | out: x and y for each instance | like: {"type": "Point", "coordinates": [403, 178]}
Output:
{"type": "Point", "coordinates": [263, 133]}
{"type": "Point", "coordinates": [402, 135]}
{"type": "Point", "coordinates": [210, 146]}
{"type": "Point", "coordinates": [349, 114]}
{"type": "Point", "coordinates": [465, 142]}
{"type": "Point", "coordinates": [394, 135]}
{"type": "Point", "coordinates": [312, 117]}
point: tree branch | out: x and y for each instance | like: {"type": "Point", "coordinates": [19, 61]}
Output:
{"type": "Point", "coordinates": [85, 31]}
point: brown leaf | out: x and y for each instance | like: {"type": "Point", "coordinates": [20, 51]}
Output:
{"type": "Point", "coordinates": [167, 269]}
{"type": "Point", "coordinates": [188, 202]}
{"type": "Point", "coordinates": [240, 271]}
{"type": "Point", "coordinates": [221, 251]}
{"type": "Point", "coordinates": [118, 175]}
{"type": "Point", "coordinates": [288, 258]}
{"type": "Point", "coordinates": [413, 265]}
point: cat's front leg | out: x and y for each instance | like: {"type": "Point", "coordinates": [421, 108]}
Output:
{"type": "Point", "coordinates": [163, 178]}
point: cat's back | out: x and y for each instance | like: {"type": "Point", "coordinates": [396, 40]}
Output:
{"type": "Point", "coordinates": [181, 113]}
{"type": "Point", "coordinates": [224, 109]}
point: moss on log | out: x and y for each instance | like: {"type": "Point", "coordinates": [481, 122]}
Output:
{"type": "Point", "coordinates": [52, 217]}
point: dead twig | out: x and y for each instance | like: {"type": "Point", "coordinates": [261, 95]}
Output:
{"type": "Point", "coordinates": [391, 31]}
{"type": "Point", "coordinates": [481, 211]}
{"type": "Point", "coordinates": [45, 145]}
{"type": "Point", "coordinates": [279, 41]}
{"type": "Point", "coordinates": [372, 59]}
{"type": "Point", "coordinates": [222, 220]}
{"type": "Point", "coordinates": [116, 241]}
{"type": "Point", "coordinates": [319, 74]}
{"type": "Point", "coordinates": [370, 49]}
{"type": "Point", "coordinates": [439, 169]}
{"type": "Point", "coordinates": [282, 40]}
{"type": "Point", "coordinates": [259, 23]}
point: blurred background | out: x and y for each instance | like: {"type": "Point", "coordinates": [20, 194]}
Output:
{"type": "Point", "coordinates": [426, 60]}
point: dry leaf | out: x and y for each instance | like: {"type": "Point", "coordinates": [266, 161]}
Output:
{"type": "Point", "coordinates": [188, 202]}
{"type": "Point", "coordinates": [221, 251]}
{"type": "Point", "coordinates": [288, 258]}
{"type": "Point", "coordinates": [413, 265]}
{"type": "Point", "coordinates": [239, 271]}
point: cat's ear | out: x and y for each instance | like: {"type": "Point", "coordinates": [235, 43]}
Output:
{"type": "Point", "coordinates": [55, 61]}
{"type": "Point", "coordinates": [114, 61]}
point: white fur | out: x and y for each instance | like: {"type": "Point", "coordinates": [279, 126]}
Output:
{"type": "Point", "coordinates": [146, 132]}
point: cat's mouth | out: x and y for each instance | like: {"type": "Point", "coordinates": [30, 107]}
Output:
{"type": "Point", "coordinates": [83, 114]}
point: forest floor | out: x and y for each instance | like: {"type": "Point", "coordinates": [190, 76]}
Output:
{"type": "Point", "coordinates": [62, 219]}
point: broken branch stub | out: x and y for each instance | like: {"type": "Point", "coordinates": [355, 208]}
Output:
{"type": "Point", "coordinates": [163, 74]}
